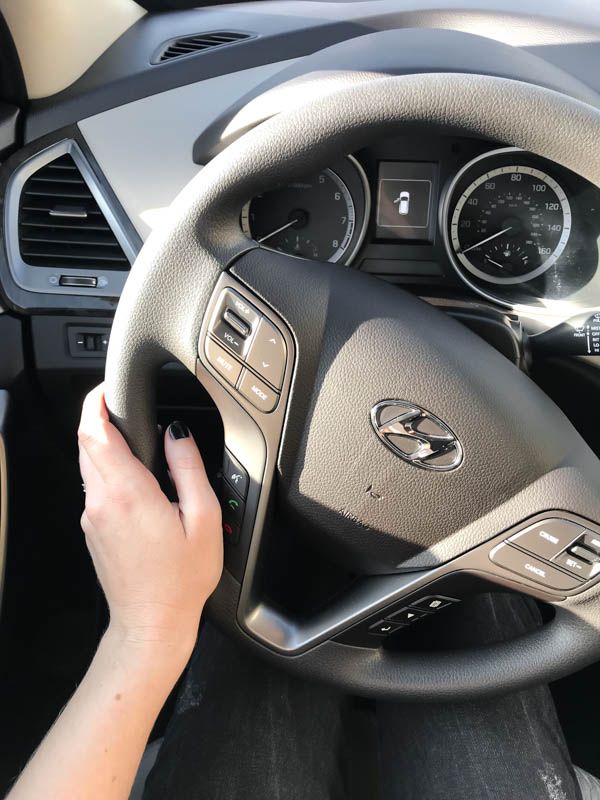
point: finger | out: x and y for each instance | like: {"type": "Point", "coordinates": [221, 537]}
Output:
{"type": "Point", "coordinates": [89, 474]}
{"type": "Point", "coordinates": [105, 446]}
{"type": "Point", "coordinates": [187, 471]}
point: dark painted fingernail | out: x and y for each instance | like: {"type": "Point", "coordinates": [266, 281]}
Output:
{"type": "Point", "coordinates": [178, 430]}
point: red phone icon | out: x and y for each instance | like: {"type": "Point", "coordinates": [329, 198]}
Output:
{"type": "Point", "coordinates": [227, 529]}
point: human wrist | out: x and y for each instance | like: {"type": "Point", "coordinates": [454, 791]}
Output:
{"type": "Point", "coordinates": [163, 655]}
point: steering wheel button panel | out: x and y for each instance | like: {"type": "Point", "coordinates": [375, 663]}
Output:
{"type": "Point", "coordinates": [223, 362]}
{"type": "Point", "coordinates": [257, 392]}
{"type": "Point", "coordinates": [548, 538]}
{"type": "Point", "coordinates": [525, 565]}
{"type": "Point", "coordinates": [267, 354]}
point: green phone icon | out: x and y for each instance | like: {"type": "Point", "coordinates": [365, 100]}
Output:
{"type": "Point", "coordinates": [233, 504]}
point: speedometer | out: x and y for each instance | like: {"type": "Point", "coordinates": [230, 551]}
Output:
{"type": "Point", "coordinates": [321, 216]}
{"type": "Point", "coordinates": [509, 224]}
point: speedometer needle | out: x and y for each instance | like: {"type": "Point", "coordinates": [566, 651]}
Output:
{"type": "Point", "coordinates": [489, 239]}
{"type": "Point", "coordinates": [283, 227]}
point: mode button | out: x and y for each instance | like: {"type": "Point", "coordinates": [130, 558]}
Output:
{"type": "Point", "coordinates": [257, 392]}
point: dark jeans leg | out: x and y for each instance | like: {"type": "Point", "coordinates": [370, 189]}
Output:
{"type": "Point", "coordinates": [244, 730]}
{"type": "Point", "coordinates": [508, 748]}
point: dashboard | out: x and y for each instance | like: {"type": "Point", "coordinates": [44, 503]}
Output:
{"type": "Point", "coordinates": [456, 220]}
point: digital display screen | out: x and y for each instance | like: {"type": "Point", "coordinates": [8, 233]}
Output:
{"type": "Point", "coordinates": [405, 200]}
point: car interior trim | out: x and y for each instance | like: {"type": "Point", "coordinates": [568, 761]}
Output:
{"type": "Point", "coordinates": [47, 280]}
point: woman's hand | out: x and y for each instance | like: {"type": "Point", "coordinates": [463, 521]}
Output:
{"type": "Point", "coordinates": [157, 561]}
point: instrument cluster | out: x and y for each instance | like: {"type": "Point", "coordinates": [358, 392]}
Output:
{"type": "Point", "coordinates": [518, 230]}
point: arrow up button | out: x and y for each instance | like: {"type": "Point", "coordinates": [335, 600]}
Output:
{"type": "Point", "coordinates": [267, 354]}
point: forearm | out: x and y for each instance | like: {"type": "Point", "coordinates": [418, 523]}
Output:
{"type": "Point", "coordinates": [94, 748]}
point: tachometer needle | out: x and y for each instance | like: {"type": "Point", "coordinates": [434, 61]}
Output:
{"type": "Point", "coordinates": [489, 239]}
{"type": "Point", "coordinates": [283, 227]}
{"type": "Point", "coordinates": [495, 263]}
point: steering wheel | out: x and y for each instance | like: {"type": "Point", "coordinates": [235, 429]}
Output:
{"type": "Point", "coordinates": [415, 455]}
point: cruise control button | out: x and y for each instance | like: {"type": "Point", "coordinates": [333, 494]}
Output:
{"type": "Point", "coordinates": [267, 353]}
{"type": "Point", "coordinates": [548, 538]}
{"type": "Point", "coordinates": [383, 628]}
{"type": "Point", "coordinates": [577, 566]}
{"type": "Point", "coordinates": [592, 541]}
{"type": "Point", "coordinates": [257, 392]}
{"type": "Point", "coordinates": [223, 362]}
{"type": "Point", "coordinates": [525, 565]}
{"type": "Point", "coordinates": [584, 553]}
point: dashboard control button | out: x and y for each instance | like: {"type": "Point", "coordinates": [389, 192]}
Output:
{"type": "Point", "coordinates": [267, 353]}
{"type": "Point", "coordinates": [591, 541]}
{"type": "Point", "coordinates": [232, 514]}
{"type": "Point", "coordinates": [236, 323]}
{"type": "Point", "coordinates": [434, 603]}
{"type": "Point", "coordinates": [223, 362]}
{"type": "Point", "coordinates": [406, 616]}
{"type": "Point", "coordinates": [383, 628]}
{"type": "Point", "coordinates": [578, 566]}
{"type": "Point", "coordinates": [235, 475]}
{"type": "Point", "coordinates": [525, 565]}
{"type": "Point", "coordinates": [257, 392]}
{"type": "Point", "coordinates": [79, 281]}
{"type": "Point", "coordinates": [547, 538]}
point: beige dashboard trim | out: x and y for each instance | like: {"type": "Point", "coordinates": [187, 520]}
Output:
{"type": "Point", "coordinates": [58, 41]}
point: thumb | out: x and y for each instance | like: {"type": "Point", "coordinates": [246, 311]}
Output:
{"type": "Point", "coordinates": [189, 475]}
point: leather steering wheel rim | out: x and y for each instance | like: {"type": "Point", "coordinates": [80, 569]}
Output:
{"type": "Point", "coordinates": [163, 306]}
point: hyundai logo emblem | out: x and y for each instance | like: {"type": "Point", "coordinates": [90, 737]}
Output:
{"type": "Point", "coordinates": [417, 436]}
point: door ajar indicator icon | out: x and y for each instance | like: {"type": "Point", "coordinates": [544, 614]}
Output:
{"type": "Point", "coordinates": [417, 436]}
{"type": "Point", "coordinates": [403, 201]}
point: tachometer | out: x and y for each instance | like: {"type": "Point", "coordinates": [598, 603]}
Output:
{"type": "Point", "coordinates": [509, 224]}
{"type": "Point", "coordinates": [321, 217]}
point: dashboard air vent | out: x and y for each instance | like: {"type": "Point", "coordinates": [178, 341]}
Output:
{"type": "Point", "coordinates": [61, 224]}
{"type": "Point", "coordinates": [195, 44]}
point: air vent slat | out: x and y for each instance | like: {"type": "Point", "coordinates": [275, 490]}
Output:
{"type": "Point", "coordinates": [84, 239]}
{"type": "Point", "coordinates": [74, 181]}
{"type": "Point", "coordinates": [54, 192]}
{"type": "Point", "coordinates": [198, 43]}
{"type": "Point", "coordinates": [64, 224]}
{"type": "Point", "coordinates": [61, 224]}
